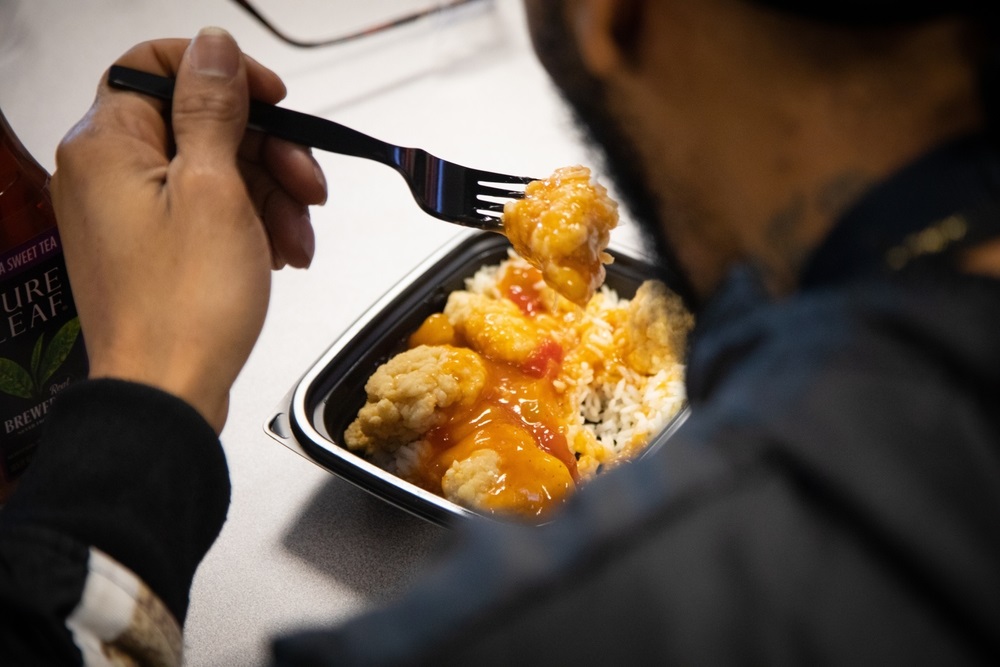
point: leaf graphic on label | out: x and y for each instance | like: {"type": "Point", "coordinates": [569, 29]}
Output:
{"type": "Point", "coordinates": [36, 356]}
{"type": "Point", "coordinates": [59, 349]}
{"type": "Point", "coordinates": [14, 380]}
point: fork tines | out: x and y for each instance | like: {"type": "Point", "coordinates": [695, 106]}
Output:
{"type": "Point", "coordinates": [497, 190]}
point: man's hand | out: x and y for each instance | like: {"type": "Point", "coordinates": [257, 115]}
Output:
{"type": "Point", "coordinates": [171, 228]}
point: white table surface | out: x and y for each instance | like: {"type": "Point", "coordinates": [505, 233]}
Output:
{"type": "Point", "coordinates": [301, 546]}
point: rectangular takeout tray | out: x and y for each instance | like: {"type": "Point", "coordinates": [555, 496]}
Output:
{"type": "Point", "coordinates": [312, 418]}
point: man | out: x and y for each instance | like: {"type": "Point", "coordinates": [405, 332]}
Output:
{"type": "Point", "coordinates": [830, 186]}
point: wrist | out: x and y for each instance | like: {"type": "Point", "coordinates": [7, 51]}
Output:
{"type": "Point", "coordinates": [206, 397]}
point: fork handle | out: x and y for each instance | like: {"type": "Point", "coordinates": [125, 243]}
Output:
{"type": "Point", "coordinates": [276, 121]}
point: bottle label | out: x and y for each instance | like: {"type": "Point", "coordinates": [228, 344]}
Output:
{"type": "Point", "coordinates": [41, 349]}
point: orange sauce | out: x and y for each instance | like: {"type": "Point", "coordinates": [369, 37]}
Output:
{"type": "Point", "coordinates": [520, 285]}
{"type": "Point", "coordinates": [519, 415]}
{"type": "Point", "coordinates": [545, 360]}
{"type": "Point", "coordinates": [435, 330]}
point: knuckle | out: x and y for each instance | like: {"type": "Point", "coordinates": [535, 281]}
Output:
{"type": "Point", "coordinates": [104, 128]}
{"type": "Point", "coordinates": [75, 149]}
{"type": "Point", "coordinates": [210, 181]}
{"type": "Point", "coordinates": [208, 105]}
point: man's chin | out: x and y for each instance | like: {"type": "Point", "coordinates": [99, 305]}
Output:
{"type": "Point", "coordinates": [642, 206]}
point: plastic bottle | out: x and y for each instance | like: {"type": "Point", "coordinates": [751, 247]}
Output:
{"type": "Point", "coordinates": [41, 349]}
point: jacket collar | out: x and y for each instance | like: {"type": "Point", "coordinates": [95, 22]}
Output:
{"type": "Point", "coordinates": [959, 177]}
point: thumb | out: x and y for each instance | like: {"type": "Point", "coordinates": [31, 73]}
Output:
{"type": "Point", "coordinates": [210, 99]}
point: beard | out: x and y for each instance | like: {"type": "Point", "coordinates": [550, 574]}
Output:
{"type": "Point", "coordinates": [603, 130]}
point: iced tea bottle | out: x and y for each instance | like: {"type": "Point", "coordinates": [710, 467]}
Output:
{"type": "Point", "coordinates": [41, 350]}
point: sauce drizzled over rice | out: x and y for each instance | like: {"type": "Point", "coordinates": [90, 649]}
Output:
{"type": "Point", "coordinates": [515, 395]}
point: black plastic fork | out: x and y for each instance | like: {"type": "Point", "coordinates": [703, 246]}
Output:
{"type": "Point", "coordinates": [446, 190]}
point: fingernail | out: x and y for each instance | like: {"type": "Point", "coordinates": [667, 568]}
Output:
{"type": "Point", "coordinates": [321, 177]}
{"type": "Point", "coordinates": [277, 261]}
{"type": "Point", "coordinates": [213, 53]}
{"type": "Point", "coordinates": [307, 238]}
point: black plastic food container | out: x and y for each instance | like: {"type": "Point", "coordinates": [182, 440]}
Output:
{"type": "Point", "coordinates": [312, 418]}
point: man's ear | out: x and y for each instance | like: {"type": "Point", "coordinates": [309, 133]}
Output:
{"type": "Point", "coordinates": [606, 32]}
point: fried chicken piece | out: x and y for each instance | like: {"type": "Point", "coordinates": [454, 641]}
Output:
{"type": "Point", "coordinates": [407, 395]}
{"type": "Point", "coordinates": [512, 477]}
{"type": "Point", "coordinates": [468, 481]}
{"type": "Point", "coordinates": [495, 328]}
{"type": "Point", "coordinates": [562, 226]}
{"type": "Point", "coordinates": [656, 328]}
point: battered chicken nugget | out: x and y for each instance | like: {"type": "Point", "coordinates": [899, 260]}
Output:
{"type": "Point", "coordinates": [510, 476]}
{"type": "Point", "coordinates": [407, 394]}
{"type": "Point", "coordinates": [656, 328]}
{"type": "Point", "coordinates": [562, 226]}
{"type": "Point", "coordinates": [495, 328]}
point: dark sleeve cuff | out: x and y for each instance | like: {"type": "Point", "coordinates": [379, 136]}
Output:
{"type": "Point", "coordinates": [135, 472]}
